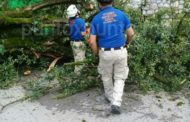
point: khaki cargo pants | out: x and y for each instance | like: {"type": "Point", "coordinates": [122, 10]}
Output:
{"type": "Point", "coordinates": [79, 54]}
{"type": "Point", "coordinates": [113, 66]}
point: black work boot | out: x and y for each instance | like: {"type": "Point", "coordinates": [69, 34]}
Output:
{"type": "Point", "coordinates": [115, 109]}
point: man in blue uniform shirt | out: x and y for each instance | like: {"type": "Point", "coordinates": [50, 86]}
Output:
{"type": "Point", "coordinates": [77, 33]}
{"type": "Point", "coordinates": [109, 27]}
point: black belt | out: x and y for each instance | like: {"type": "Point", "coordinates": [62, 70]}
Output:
{"type": "Point", "coordinates": [109, 49]}
{"type": "Point", "coordinates": [77, 40]}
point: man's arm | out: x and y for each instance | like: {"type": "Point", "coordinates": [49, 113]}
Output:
{"type": "Point", "coordinates": [130, 33]}
{"type": "Point", "coordinates": [93, 44]}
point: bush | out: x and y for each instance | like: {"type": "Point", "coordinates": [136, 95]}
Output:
{"type": "Point", "coordinates": [69, 83]}
{"type": "Point", "coordinates": [2, 49]}
{"type": "Point", "coordinates": [72, 83]}
{"type": "Point", "coordinates": [159, 57]}
{"type": "Point", "coordinates": [8, 73]}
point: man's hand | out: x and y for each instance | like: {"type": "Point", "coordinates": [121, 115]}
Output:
{"type": "Point", "coordinates": [87, 30]}
{"type": "Point", "coordinates": [88, 41]}
{"type": "Point", "coordinates": [126, 44]}
{"type": "Point", "coordinates": [130, 34]}
{"type": "Point", "coordinates": [92, 43]}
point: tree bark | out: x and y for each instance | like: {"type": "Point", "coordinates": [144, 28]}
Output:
{"type": "Point", "coordinates": [87, 6]}
{"type": "Point", "coordinates": [5, 20]}
{"type": "Point", "coordinates": [24, 16]}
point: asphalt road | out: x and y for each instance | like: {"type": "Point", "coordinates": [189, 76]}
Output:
{"type": "Point", "coordinates": [90, 106]}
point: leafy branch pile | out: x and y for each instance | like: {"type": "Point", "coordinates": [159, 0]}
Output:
{"type": "Point", "coordinates": [33, 33]}
{"type": "Point", "coordinates": [65, 81]}
{"type": "Point", "coordinates": [8, 73]}
{"type": "Point", "coordinates": [159, 57]}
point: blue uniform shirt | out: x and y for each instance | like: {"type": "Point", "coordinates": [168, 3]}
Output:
{"type": "Point", "coordinates": [110, 25]}
{"type": "Point", "coordinates": [77, 26]}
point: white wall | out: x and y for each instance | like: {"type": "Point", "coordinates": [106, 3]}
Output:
{"type": "Point", "coordinates": [153, 6]}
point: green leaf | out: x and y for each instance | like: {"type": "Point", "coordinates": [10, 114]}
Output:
{"type": "Point", "coordinates": [2, 49]}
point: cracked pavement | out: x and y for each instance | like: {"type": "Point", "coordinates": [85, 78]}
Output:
{"type": "Point", "coordinates": [89, 106]}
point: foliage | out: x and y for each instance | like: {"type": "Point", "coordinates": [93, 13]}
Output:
{"type": "Point", "coordinates": [65, 79]}
{"type": "Point", "coordinates": [40, 87]}
{"type": "Point", "coordinates": [23, 58]}
{"type": "Point", "coordinates": [158, 56]}
{"type": "Point", "coordinates": [72, 83]}
{"type": "Point", "coordinates": [8, 73]}
{"type": "Point", "coordinates": [2, 49]}
{"type": "Point", "coordinates": [11, 65]}
{"type": "Point", "coordinates": [13, 4]}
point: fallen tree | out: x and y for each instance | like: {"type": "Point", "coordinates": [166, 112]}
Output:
{"type": "Point", "coordinates": [26, 15]}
